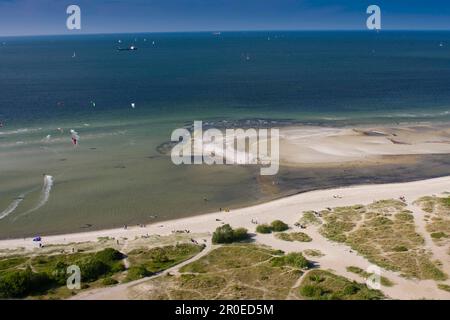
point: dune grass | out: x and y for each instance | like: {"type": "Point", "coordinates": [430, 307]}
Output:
{"type": "Point", "coordinates": [309, 218]}
{"type": "Point", "coordinates": [383, 280]}
{"type": "Point", "coordinates": [324, 285]}
{"type": "Point", "coordinates": [383, 232]}
{"type": "Point", "coordinates": [293, 236]}
{"type": "Point", "coordinates": [438, 222]}
{"type": "Point", "coordinates": [258, 273]}
{"type": "Point", "coordinates": [44, 276]}
{"type": "Point", "coordinates": [144, 262]}
{"type": "Point", "coordinates": [444, 287]}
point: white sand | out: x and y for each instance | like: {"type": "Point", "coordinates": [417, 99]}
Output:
{"type": "Point", "coordinates": [318, 145]}
{"type": "Point", "coordinates": [337, 256]}
{"type": "Point", "coordinates": [321, 146]}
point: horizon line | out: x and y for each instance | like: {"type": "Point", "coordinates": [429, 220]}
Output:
{"type": "Point", "coordinates": [77, 33]}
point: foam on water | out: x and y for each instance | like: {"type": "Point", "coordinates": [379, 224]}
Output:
{"type": "Point", "coordinates": [19, 131]}
{"type": "Point", "coordinates": [45, 195]}
{"type": "Point", "coordinates": [13, 206]}
{"type": "Point", "coordinates": [43, 198]}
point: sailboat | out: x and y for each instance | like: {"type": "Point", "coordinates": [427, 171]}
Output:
{"type": "Point", "coordinates": [74, 55]}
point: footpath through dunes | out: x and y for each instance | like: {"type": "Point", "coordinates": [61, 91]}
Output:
{"type": "Point", "coordinates": [380, 202]}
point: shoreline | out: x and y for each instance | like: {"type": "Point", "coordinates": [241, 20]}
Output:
{"type": "Point", "coordinates": [311, 158]}
{"type": "Point", "coordinates": [310, 200]}
{"type": "Point", "coordinates": [337, 257]}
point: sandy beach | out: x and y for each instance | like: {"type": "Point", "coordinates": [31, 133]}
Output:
{"type": "Point", "coordinates": [289, 209]}
{"type": "Point", "coordinates": [316, 146]}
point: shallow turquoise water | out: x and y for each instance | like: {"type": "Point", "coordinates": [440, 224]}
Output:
{"type": "Point", "coordinates": [116, 176]}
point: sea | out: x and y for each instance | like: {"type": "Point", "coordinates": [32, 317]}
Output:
{"type": "Point", "coordinates": [124, 105]}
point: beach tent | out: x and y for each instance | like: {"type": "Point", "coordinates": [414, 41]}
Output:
{"type": "Point", "coordinates": [37, 239]}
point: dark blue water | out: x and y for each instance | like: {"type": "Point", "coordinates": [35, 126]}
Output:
{"type": "Point", "coordinates": [302, 75]}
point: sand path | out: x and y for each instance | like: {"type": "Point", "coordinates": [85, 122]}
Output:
{"type": "Point", "coordinates": [121, 291]}
{"type": "Point", "coordinates": [337, 256]}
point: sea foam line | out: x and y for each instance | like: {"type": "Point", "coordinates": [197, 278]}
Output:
{"type": "Point", "coordinates": [45, 195]}
{"type": "Point", "coordinates": [13, 206]}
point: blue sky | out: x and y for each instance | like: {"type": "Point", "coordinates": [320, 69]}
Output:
{"type": "Point", "coordinates": [29, 17]}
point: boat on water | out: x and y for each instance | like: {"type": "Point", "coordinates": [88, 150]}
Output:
{"type": "Point", "coordinates": [130, 48]}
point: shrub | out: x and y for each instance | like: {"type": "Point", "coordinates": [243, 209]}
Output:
{"type": "Point", "coordinates": [400, 249]}
{"type": "Point", "coordinates": [444, 287]}
{"type": "Point", "coordinates": [137, 272]}
{"type": "Point", "coordinates": [263, 228]}
{"type": "Point", "coordinates": [60, 273]}
{"type": "Point", "coordinates": [351, 289]}
{"type": "Point", "coordinates": [226, 234]}
{"type": "Point", "coordinates": [117, 267]}
{"type": "Point", "coordinates": [279, 226]}
{"type": "Point", "coordinates": [240, 234]}
{"type": "Point", "coordinates": [109, 281]}
{"type": "Point", "coordinates": [160, 257]}
{"type": "Point", "coordinates": [293, 259]}
{"type": "Point", "coordinates": [109, 255]}
{"type": "Point", "coordinates": [17, 284]}
{"type": "Point", "coordinates": [296, 260]}
{"type": "Point", "coordinates": [93, 269]}
{"type": "Point", "coordinates": [438, 235]}
{"type": "Point", "coordinates": [294, 236]}
{"type": "Point", "coordinates": [311, 291]}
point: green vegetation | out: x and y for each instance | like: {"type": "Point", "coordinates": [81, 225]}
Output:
{"type": "Point", "coordinates": [383, 280]}
{"type": "Point", "coordinates": [7, 263]}
{"type": "Point", "coordinates": [109, 281]}
{"type": "Point", "coordinates": [263, 228]}
{"type": "Point", "coordinates": [340, 221]}
{"type": "Point", "coordinates": [145, 262]}
{"type": "Point", "coordinates": [226, 234]}
{"type": "Point", "coordinates": [435, 205]}
{"type": "Point", "coordinates": [258, 273]}
{"type": "Point", "coordinates": [278, 226]}
{"type": "Point", "coordinates": [324, 285]}
{"type": "Point", "coordinates": [275, 226]}
{"type": "Point", "coordinates": [438, 235]}
{"type": "Point", "coordinates": [309, 218]}
{"type": "Point", "coordinates": [293, 259]}
{"type": "Point", "coordinates": [137, 272]}
{"type": "Point", "coordinates": [294, 236]}
{"type": "Point", "coordinates": [23, 277]}
{"type": "Point", "coordinates": [444, 287]}
{"type": "Point", "coordinates": [21, 283]}
{"type": "Point", "coordinates": [438, 223]}
{"type": "Point", "coordinates": [383, 232]}
{"type": "Point", "coordinates": [44, 276]}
